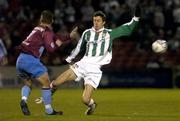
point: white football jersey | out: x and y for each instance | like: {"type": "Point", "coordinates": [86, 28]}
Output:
{"type": "Point", "coordinates": [98, 44]}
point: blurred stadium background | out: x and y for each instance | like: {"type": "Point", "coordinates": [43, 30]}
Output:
{"type": "Point", "coordinates": [133, 64]}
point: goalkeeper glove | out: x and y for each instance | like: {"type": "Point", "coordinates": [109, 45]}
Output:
{"type": "Point", "coordinates": [137, 11]}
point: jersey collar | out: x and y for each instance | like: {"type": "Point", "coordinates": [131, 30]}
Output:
{"type": "Point", "coordinates": [100, 30]}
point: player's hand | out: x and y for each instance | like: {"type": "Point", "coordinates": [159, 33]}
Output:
{"type": "Point", "coordinates": [58, 42]}
{"type": "Point", "coordinates": [52, 85]}
{"type": "Point", "coordinates": [74, 33]}
{"type": "Point", "coordinates": [137, 12]}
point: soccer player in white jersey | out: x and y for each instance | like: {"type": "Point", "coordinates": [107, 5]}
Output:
{"type": "Point", "coordinates": [98, 44]}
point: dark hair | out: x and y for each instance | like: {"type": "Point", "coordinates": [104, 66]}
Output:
{"type": "Point", "coordinates": [101, 14]}
{"type": "Point", "coordinates": [47, 17]}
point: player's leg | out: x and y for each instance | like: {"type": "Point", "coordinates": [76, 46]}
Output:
{"type": "Point", "coordinates": [46, 94]}
{"type": "Point", "coordinates": [37, 70]}
{"type": "Point", "coordinates": [22, 65]}
{"type": "Point", "coordinates": [68, 75]}
{"type": "Point", "coordinates": [91, 81]}
{"type": "Point", "coordinates": [87, 99]}
{"type": "Point", "coordinates": [26, 89]}
{"type": "Point", "coordinates": [39, 100]}
{"type": "Point", "coordinates": [46, 90]}
{"type": "Point", "coordinates": [25, 92]}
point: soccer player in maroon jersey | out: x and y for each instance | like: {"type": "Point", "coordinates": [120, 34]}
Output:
{"type": "Point", "coordinates": [29, 65]}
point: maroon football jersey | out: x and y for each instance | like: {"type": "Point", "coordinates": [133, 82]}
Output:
{"type": "Point", "coordinates": [39, 39]}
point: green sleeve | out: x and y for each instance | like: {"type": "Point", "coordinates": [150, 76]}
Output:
{"type": "Point", "coordinates": [124, 30]}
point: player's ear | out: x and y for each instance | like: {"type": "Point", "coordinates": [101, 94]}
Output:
{"type": "Point", "coordinates": [104, 22]}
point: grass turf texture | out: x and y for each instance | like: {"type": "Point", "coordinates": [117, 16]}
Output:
{"type": "Point", "coordinates": [113, 105]}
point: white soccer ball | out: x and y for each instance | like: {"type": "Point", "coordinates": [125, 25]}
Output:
{"type": "Point", "coordinates": [159, 46]}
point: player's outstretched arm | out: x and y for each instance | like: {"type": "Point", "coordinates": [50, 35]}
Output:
{"type": "Point", "coordinates": [127, 28]}
{"type": "Point", "coordinates": [74, 32]}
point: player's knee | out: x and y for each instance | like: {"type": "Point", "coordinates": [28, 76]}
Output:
{"type": "Point", "coordinates": [46, 85]}
{"type": "Point", "coordinates": [28, 83]}
{"type": "Point", "coordinates": [44, 80]}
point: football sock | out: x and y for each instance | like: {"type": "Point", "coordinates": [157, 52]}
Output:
{"type": "Point", "coordinates": [91, 102]}
{"type": "Point", "coordinates": [46, 95]}
{"type": "Point", "coordinates": [25, 91]}
{"type": "Point", "coordinates": [48, 109]}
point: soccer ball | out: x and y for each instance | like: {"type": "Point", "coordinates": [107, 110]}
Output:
{"type": "Point", "coordinates": [159, 46]}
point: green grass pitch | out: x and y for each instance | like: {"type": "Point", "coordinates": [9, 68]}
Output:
{"type": "Point", "coordinates": [113, 105]}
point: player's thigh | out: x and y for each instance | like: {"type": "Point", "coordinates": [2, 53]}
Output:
{"type": "Point", "coordinates": [68, 75]}
{"type": "Point", "coordinates": [22, 74]}
{"type": "Point", "coordinates": [93, 79]}
{"type": "Point", "coordinates": [30, 65]}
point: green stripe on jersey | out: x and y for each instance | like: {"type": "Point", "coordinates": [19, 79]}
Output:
{"type": "Point", "coordinates": [110, 45]}
{"type": "Point", "coordinates": [87, 38]}
{"type": "Point", "coordinates": [103, 43]}
{"type": "Point", "coordinates": [95, 44]}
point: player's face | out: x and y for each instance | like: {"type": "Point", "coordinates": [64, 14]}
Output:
{"type": "Point", "coordinates": [98, 23]}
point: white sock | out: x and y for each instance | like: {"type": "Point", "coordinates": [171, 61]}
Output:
{"type": "Point", "coordinates": [48, 106]}
{"type": "Point", "coordinates": [48, 109]}
{"type": "Point", "coordinates": [24, 98]}
{"type": "Point", "coordinates": [91, 102]}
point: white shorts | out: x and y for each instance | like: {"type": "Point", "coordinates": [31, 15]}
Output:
{"type": "Point", "coordinates": [91, 73]}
